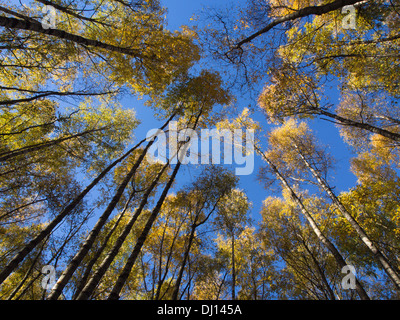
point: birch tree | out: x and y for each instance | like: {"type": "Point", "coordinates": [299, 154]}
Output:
{"type": "Point", "coordinates": [307, 155]}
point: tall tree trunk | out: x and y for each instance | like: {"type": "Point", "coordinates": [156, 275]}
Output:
{"type": "Point", "coordinates": [35, 26]}
{"type": "Point", "coordinates": [162, 278]}
{"type": "Point", "coordinates": [14, 153]}
{"type": "Point", "coordinates": [387, 267]}
{"type": "Point", "coordinates": [90, 265]}
{"type": "Point", "coordinates": [95, 279]}
{"type": "Point", "coordinates": [365, 126]}
{"type": "Point", "coordinates": [28, 273]}
{"type": "Point", "coordinates": [85, 247]}
{"type": "Point", "coordinates": [183, 264]}
{"type": "Point", "coordinates": [114, 295]}
{"type": "Point", "coordinates": [233, 266]}
{"type": "Point", "coordinates": [321, 237]}
{"type": "Point", "coordinates": [195, 225]}
{"type": "Point", "coordinates": [20, 256]}
{"type": "Point", "coordinates": [321, 273]}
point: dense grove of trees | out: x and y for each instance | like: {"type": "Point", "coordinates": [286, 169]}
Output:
{"type": "Point", "coordinates": [79, 194]}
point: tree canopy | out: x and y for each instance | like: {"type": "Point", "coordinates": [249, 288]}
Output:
{"type": "Point", "coordinates": [81, 198]}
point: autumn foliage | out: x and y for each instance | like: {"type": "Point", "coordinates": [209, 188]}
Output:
{"type": "Point", "coordinates": [78, 193]}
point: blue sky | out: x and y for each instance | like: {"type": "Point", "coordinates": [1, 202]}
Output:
{"type": "Point", "coordinates": [179, 13]}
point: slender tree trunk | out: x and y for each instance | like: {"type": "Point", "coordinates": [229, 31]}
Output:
{"type": "Point", "coordinates": [55, 256]}
{"type": "Point", "coordinates": [85, 247]}
{"type": "Point", "coordinates": [360, 125]}
{"type": "Point", "coordinates": [95, 279]}
{"type": "Point", "coordinates": [233, 266]}
{"type": "Point", "coordinates": [390, 271]}
{"type": "Point", "coordinates": [188, 286]}
{"type": "Point", "coordinates": [162, 278]}
{"type": "Point", "coordinates": [328, 244]}
{"type": "Point", "coordinates": [321, 273]}
{"type": "Point", "coordinates": [14, 153]}
{"type": "Point", "coordinates": [35, 26]}
{"type": "Point", "coordinates": [195, 225]}
{"type": "Point", "coordinates": [114, 295]}
{"type": "Point", "coordinates": [89, 266]}
{"type": "Point", "coordinates": [5, 215]}
{"type": "Point", "coordinates": [13, 264]}
{"type": "Point", "coordinates": [19, 286]}
{"type": "Point", "coordinates": [42, 94]}
{"type": "Point", "coordinates": [185, 258]}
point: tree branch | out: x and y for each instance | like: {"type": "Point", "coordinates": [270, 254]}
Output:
{"type": "Point", "coordinates": [61, 34]}
{"type": "Point", "coordinates": [312, 10]}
